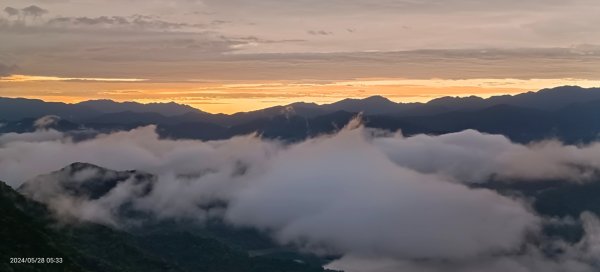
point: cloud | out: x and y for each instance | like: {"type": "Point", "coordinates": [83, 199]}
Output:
{"type": "Point", "coordinates": [344, 186]}
{"type": "Point", "coordinates": [131, 22]}
{"type": "Point", "coordinates": [322, 193]}
{"type": "Point", "coordinates": [52, 1]}
{"type": "Point", "coordinates": [90, 33]}
{"type": "Point", "coordinates": [74, 192]}
{"type": "Point", "coordinates": [381, 200]}
{"type": "Point", "coordinates": [46, 121]}
{"type": "Point", "coordinates": [466, 157]}
{"type": "Point", "coordinates": [30, 137]}
{"type": "Point", "coordinates": [7, 70]}
{"type": "Point", "coordinates": [319, 32]}
{"type": "Point", "coordinates": [474, 157]}
{"type": "Point", "coordinates": [42, 134]}
{"type": "Point", "coordinates": [580, 257]}
{"type": "Point", "coordinates": [33, 11]}
{"type": "Point", "coordinates": [108, 39]}
{"type": "Point", "coordinates": [12, 11]}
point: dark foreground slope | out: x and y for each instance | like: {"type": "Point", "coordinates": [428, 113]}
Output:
{"type": "Point", "coordinates": [27, 230]}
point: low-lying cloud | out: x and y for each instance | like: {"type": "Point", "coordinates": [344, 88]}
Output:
{"type": "Point", "coordinates": [383, 201]}
{"type": "Point", "coordinates": [473, 157]}
{"type": "Point", "coordinates": [580, 257]}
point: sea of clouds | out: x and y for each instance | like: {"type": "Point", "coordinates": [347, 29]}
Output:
{"type": "Point", "coordinates": [383, 201]}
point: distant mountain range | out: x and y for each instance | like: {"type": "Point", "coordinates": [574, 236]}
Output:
{"type": "Point", "coordinates": [569, 113]}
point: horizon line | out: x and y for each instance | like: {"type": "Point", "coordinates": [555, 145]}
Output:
{"type": "Point", "coordinates": [302, 102]}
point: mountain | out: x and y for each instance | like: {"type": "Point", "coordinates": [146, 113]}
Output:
{"type": "Point", "coordinates": [103, 111]}
{"type": "Point", "coordinates": [374, 105]}
{"type": "Point", "coordinates": [578, 123]}
{"type": "Point", "coordinates": [12, 109]}
{"type": "Point", "coordinates": [83, 180]}
{"type": "Point", "coordinates": [25, 232]}
{"type": "Point", "coordinates": [548, 99]}
{"type": "Point", "coordinates": [519, 124]}
{"type": "Point", "coordinates": [567, 113]}
{"type": "Point", "coordinates": [545, 99]}
{"type": "Point", "coordinates": [109, 106]}
{"type": "Point", "coordinates": [130, 117]}
{"type": "Point", "coordinates": [555, 199]}
{"type": "Point", "coordinates": [29, 229]}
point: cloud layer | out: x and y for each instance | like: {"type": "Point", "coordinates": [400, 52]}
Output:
{"type": "Point", "coordinates": [383, 201]}
{"type": "Point", "coordinates": [186, 39]}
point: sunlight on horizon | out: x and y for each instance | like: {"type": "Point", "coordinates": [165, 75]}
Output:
{"type": "Point", "coordinates": [237, 96]}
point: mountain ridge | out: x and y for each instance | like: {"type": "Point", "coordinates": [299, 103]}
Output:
{"type": "Point", "coordinates": [549, 98]}
{"type": "Point", "coordinates": [532, 116]}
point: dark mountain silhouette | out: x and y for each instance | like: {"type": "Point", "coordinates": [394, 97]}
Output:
{"type": "Point", "coordinates": [109, 106]}
{"type": "Point", "coordinates": [556, 199]}
{"type": "Point", "coordinates": [130, 117]}
{"type": "Point", "coordinates": [519, 124]}
{"type": "Point", "coordinates": [374, 105]}
{"type": "Point", "coordinates": [568, 113]}
{"type": "Point", "coordinates": [579, 123]}
{"type": "Point", "coordinates": [25, 231]}
{"type": "Point", "coordinates": [13, 109]}
{"type": "Point", "coordinates": [547, 99]}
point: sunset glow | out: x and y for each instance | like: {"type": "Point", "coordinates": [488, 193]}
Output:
{"type": "Point", "coordinates": [230, 56]}
{"type": "Point", "coordinates": [231, 97]}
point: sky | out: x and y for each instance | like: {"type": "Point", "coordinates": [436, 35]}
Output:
{"type": "Point", "coordinates": [240, 55]}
